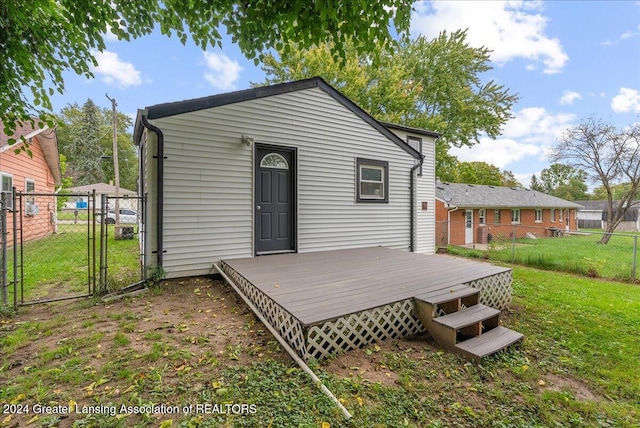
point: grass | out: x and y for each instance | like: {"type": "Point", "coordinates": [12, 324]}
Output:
{"type": "Point", "coordinates": [581, 254]}
{"type": "Point", "coordinates": [578, 366]}
{"type": "Point", "coordinates": [62, 261]}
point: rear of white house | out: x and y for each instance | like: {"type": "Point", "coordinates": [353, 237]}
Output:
{"type": "Point", "coordinates": [295, 167]}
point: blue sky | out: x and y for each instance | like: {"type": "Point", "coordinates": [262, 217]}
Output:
{"type": "Point", "coordinates": [566, 59]}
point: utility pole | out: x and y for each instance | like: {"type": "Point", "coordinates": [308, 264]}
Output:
{"type": "Point", "coordinates": [116, 168]}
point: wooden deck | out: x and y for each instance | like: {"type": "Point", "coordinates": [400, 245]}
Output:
{"type": "Point", "coordinates": [331, 301]}
{"type": "Point", "coordinates": [322, 286]}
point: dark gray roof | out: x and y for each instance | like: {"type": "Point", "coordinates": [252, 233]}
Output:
{"type": "Point", "coordinates": [412, 129]}
{"type": "Point", "coordinates": [601, 205]}
{"type": "Point", "coordinates": [171, 109]}
{"type": "Point", "coordinates": [480, 196]}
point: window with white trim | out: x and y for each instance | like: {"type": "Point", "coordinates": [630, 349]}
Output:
{"type": "Point", "coordinates": [482, 216]}
{"type": "Point", "coordinates": [7, 188]}
{"type": "Point", "coordinates": [496, 217]}
{"type": "Point", "coordinates": [30, 187]}
{"type": "Point", "coordinates": [560, 216]}
{"type": "Point", "coordinates": [538, 215]}
{"type": "Point", "coordinates": [416, 144]}
{"type": "Point", "coordinates": [372, 180]}
{"type": "Point", "coordinates": [553, 215]}
{"type": "Point", "coordinates": [515, 216]}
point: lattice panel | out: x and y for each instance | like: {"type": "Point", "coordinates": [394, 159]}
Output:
{"type": "Point", "coordinates": [287, 325]}
{"type": "Point", "coordinates": [359, 329]}
{"type": "Point", "coordinates": [495, 290]}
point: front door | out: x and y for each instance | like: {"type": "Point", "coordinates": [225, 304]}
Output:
{"type": "Point", "coordinates": [275, 200]}
{"type": "Point", "coordinates": [468, 226]}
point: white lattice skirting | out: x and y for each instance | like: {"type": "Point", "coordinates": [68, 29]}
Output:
{"type": "Point", "coordinates": [358, 329]}
{"type": "Point", "coordinates": [495, 290]}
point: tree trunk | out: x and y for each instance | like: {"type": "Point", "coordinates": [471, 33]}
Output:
{"type": "Point", "coordinates": [611, 227]}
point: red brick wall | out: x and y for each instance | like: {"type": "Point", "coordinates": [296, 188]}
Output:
{"type": "Point", "coordinates": [504, 230]}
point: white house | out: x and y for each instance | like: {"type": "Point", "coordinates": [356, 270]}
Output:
{"type": "Point", "coordinates": [293, 167]}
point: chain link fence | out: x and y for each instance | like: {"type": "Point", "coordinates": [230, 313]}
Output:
{"type": "Point", "coordinates": [582, 252]}
{"type": "Point", "coordinates": [57, 246]}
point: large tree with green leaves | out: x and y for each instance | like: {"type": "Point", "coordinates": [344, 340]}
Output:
{"type": "Point", "coordinates": [41, 39]}
{"type": "Point", "coordinates": [562, 181]}
{"type": "Point", "coordinates": [610, 156]}
{"type": "Point", "coordinates": [483, 173]}
{"type": "Point", "coordinates": [433, 84]}
{"type": "Point", "coordinates": [85, 139]}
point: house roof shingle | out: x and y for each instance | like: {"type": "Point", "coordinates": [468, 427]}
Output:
{"type": "Point", "coordinates": [481, 196]}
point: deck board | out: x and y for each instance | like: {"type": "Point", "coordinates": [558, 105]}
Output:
{"type": "Point", "coordinates": [320, 286]}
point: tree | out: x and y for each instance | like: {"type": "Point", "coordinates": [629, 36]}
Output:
{"type": "Point", "coordinates": [484, 173]}
{"type": "Point", "coordinates": [536, 184]}
{"type": "Point", "coordinates": [564, 181]}
{"type": "Point", "coordinates": [618, 190]}
{"type": "Point", "coordinates": [85, 138]}
{"type": "Point", "coordinates": [432, 84]}
{"type": "Point", "coordinates": [40, 39]}
{"type": "Point", "coordinates": [609, 156]}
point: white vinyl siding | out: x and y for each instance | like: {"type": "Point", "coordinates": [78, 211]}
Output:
{"type": "Point", "coordinates": [208, 179]}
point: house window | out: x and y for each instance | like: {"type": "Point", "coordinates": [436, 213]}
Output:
{"type": "Point", "coordinates": [538, 215]}
{"type": "Point", "coordinates": [30, 208]}
{"type": "Point", "coordinates": [372, 180]}
{"type": "Point", "coordinates": [560, 216]}
{"type": "Point", "coordinates": [515, 216]}
{"type": "Point", "coordinates": [553, 215]}
{"type": "Point", "coordinates": [481, 216]}
{"type": "Point", "coordinates": [416, 144]}
{"type": "Point", "coordinates": [496, 217]}
{"type": "Point", "coordinates": [7, 189]}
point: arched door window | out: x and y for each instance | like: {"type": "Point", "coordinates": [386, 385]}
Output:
{"type": "Point", "coordinates": [274, 160]}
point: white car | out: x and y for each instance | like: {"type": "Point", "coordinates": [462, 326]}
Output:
{"type": "Point", "coordinates": [126, 216]}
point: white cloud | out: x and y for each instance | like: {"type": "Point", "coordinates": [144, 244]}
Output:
{"type": "Point", "coordinates": [627, 100]}
{"type": "Point", "coordinates": [531, 133]}
{"type": "Point", "coordinates": [500, 152]}
{"type": "Point", "coordinates": [511, 29]}
{"type": "Point", "coordinates": [115, 71]}
{"type": "Point", "coordinates": [568, 97]}
{"type": "Point", "coordinates": [624, 36]}
{"type": "Point", "coordinates": [223, 72]}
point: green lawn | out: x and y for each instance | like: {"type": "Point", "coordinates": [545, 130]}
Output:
{"type": "Point", "coordinates": [580, 254]}
{"type": "Point", "coordinates": [577, 367]}
{"type": "Point", "coordinates": [60, 263]}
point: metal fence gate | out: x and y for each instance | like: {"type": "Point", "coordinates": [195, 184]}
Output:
{"type": "Point", "coordinates": [65, 246]}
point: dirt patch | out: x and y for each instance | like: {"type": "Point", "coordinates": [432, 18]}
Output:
{"type": "Point", "coordinates": [577, 388]}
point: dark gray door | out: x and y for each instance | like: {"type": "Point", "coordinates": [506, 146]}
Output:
{"type": "Point", "coordinates": [274, 211]}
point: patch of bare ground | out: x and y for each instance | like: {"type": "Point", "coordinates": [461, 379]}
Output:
{"type": "Point", "coordinates": [183, 329]}
{"type": "Point", "coordinates": [563, 383]}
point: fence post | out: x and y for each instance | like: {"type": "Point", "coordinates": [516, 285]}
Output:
{"type": "Point", "coordinates": [4, 278]}
{"type": "Point", "coordinates": [635, 257]}
{"type": "Point", "coordinates": [513, 244]}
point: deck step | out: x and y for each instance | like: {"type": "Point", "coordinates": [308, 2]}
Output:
{"type": "Point", "coordinates": [448, 294]}
{"type": "Point", "coordinates": [489, 343]}
{"type": "Point", "coordinates": [466, 317]}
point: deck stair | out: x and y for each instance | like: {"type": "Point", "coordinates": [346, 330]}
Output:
{"type": "Point", "coordinates": [456, 321]}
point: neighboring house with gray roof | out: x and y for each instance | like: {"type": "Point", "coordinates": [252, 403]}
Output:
{"type": "Point", "coordinates": [128, 197]}
{"type": "Point", "coordinates": [470, 213]}
{"type": "Point", "coordinates": [593, 215]}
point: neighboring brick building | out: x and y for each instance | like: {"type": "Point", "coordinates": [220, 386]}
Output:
{"type": "Point", "coordinates": [470, 213]}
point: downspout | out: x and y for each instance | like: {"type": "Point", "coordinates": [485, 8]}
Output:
{"type": "Point", "coordinates": [160, 188]}
{"type": "Point", "coordinates": [449, 211]}
{"type": "Point", "coordinates": [412, 198]}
